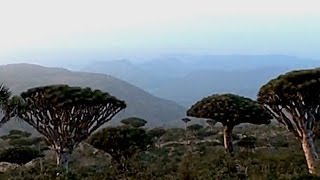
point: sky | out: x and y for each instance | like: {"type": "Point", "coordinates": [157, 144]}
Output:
{"type": "Point", "coordinates": [125, 27]}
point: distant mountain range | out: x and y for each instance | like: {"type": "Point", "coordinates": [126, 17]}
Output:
{"type": "Point", "coordinates": [187, 78]}
{"type": "Point", "coordinates": [157, 111]}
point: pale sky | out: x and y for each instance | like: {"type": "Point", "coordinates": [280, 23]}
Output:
{"type": "Point", "coordinates": [219, 26]}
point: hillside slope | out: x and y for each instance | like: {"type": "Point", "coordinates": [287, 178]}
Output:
{"type": "Point", "coordinates": [20, 77]}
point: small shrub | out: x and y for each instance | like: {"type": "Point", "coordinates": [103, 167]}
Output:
{"type": "Point", "coordinates": [21, 142]}
{"type": "Point", "coordinates": [19, 155]}
{"type": "Point", "coordinates": [247, 142]}
{"type": "Point", "coordinates": [279, 142]}
{"type": "Point", "coordinates": [16, 134]}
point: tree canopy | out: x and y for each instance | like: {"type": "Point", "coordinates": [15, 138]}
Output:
{"type": "Point", "coordinates": [5, 95]}
{"type": "Point", "coordinates": [122, 143]}
{"type": "Point", "coordinates": [134, 122]}
{"type": "Point", "coordinates": [230, 110]}
{"type": "Point", "coordinates": [291, 96]}
{"type": "Point", "coordinates": [49, 108]}
{"type": "Point", "coordinates": [186, 120]}
{"type": "Point", "coordinates": [156, 132]}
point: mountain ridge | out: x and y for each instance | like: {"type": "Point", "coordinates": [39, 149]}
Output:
{"type": "Point", "coordinates": [187, 78]}
{"type": "Point", "coordinates": [157, 111]}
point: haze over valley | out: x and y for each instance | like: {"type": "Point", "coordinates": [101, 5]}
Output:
{"type": "Point", "coordinates": [187, 78]}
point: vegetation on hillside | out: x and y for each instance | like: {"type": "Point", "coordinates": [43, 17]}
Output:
{"type": "Point", "coordinates": [275, 155]}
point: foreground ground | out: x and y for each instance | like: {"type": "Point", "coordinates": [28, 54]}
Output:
{"type": "Point", "coordinates": [270, 153]}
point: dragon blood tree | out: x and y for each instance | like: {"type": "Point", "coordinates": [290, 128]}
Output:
{"type": "Point", "coordinates": [185, 120]}
{"type": "Point", "coordinates": [134, 122]}
{"type": "Point", "coordinates": [211, 123]}
{"type": "Point", "coordinates": [230, 110]}
{"type": "Point", "coordinates": [122, 143]}
{"type": "Point", "coordinates": [5, 111]}
{"type": "Point", "coordinates": [66, 115]}
{"type": "Point", "coordinates": [293, 99]}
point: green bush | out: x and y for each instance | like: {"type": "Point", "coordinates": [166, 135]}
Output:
{"type": "Point", "coordinates": [19, 155]}
{"type": "Point", "coordinates": [173, 134]}
{"type": "Point", "coordinates": [122, 143]}
{"type": "Point", "coordinates": [247, 142]}
{"type": "Point", "coordinates": [48, 171]}
{"type": "Point", "coordinates": [279, 142]}
{"type": "Point", "coordinates": [21, 142]}
{"type": "Point", "coordinates": [16, 134]}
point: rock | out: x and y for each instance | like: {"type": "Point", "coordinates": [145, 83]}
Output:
{"type": "Point", "coordinates": [95, 151]}
{"type": "Point", "coordinates": [5, 166]}
{"type": "Point", "coordinates": [220, 133]}
{"type": "Point", "coordinates": [34, 162]}
{"type": "Point", "coordinates": [241, 136]}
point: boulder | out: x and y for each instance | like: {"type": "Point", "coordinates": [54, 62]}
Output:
{"type": "Point", "coordinates": [34, 162]}
{"type": "Point", "coordinates": [5, 166]}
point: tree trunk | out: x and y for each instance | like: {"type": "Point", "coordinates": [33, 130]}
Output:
{"type": "Point", "coordinates": [309, 152]}
{"type": "Point", "coordinates": [228, 139]}
{"type": "Point", "coordinates": [62, 158]}
{"type": "Point", "coordinates": [186, 132]}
